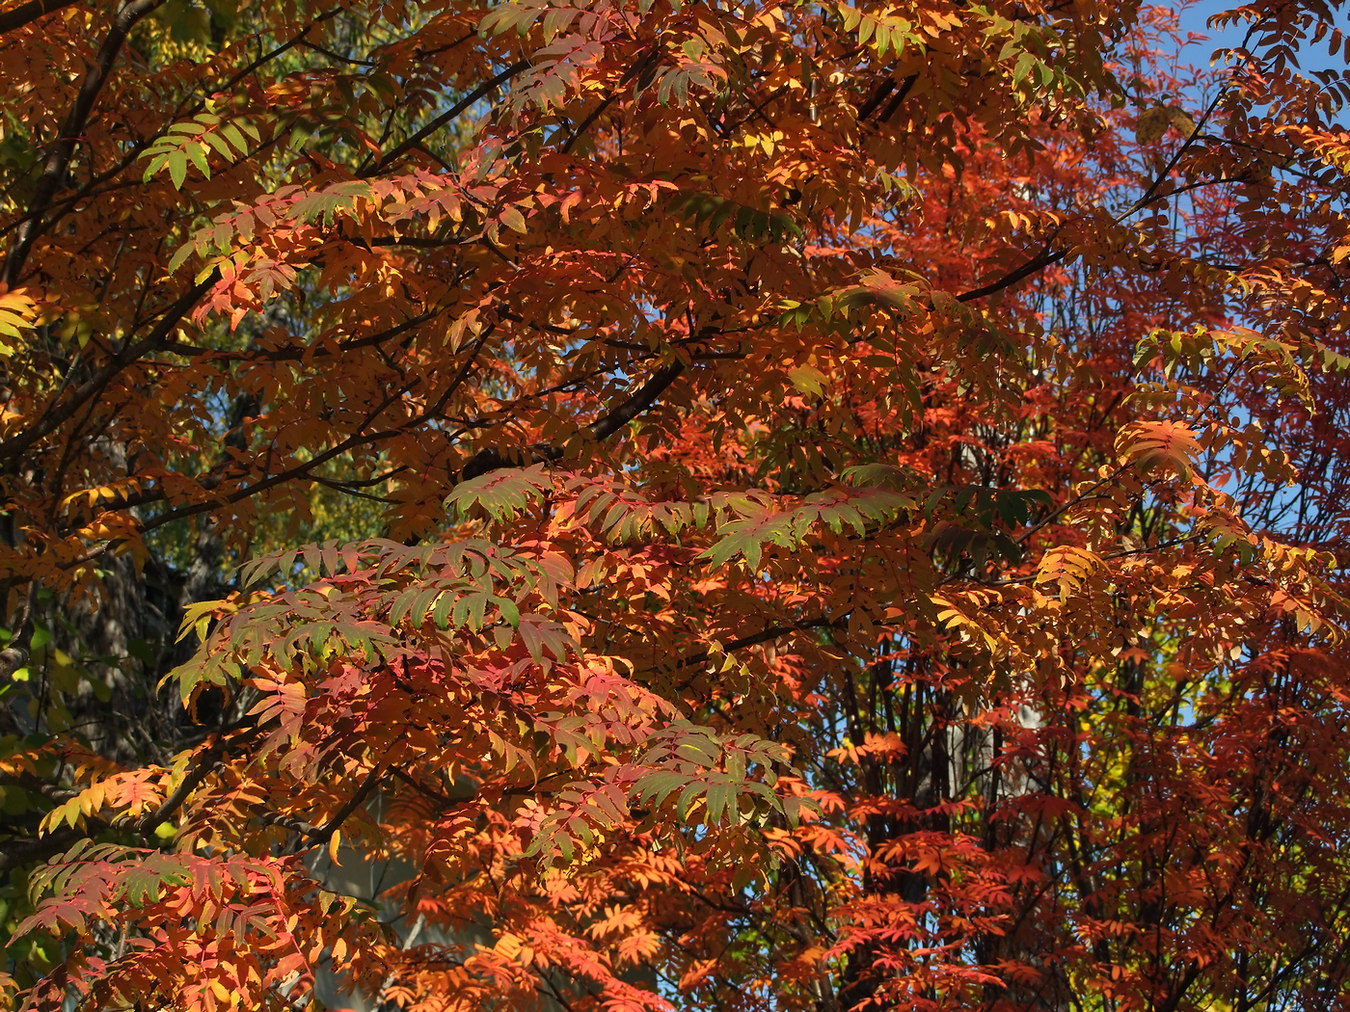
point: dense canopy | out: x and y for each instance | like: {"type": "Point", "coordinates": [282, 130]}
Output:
{"type": "Point", "coordinates": [739, 505]}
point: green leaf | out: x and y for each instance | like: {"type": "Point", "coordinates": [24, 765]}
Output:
{"type": "Point", "coordinates": [197, 152]}
{"type": "Point", "coordinates": [721, 803]}
{"type": "Point", "coordinates": [688, 798]}
{"type": "Point", "coordinates": [232, 133]}
{"type": "Point", "coordinates": [177, 162]}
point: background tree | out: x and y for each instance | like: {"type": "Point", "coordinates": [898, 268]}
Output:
{"type": "Point", "coordinates": [737, 506]}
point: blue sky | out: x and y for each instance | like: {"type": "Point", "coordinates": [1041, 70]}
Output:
{"type": "Point", "coordinates": [1194, 17]}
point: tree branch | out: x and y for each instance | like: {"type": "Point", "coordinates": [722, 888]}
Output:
{"type": "Point", "coordinates": [490, 458]}
{"type": "Point", "coordinates": [58, 413]}
{"type": "Point", "coordinates": [451, 114]}
{"type": "Point", "coordinates": [58, 160]}
{"type": "Point", "coordinates": [31, 11]}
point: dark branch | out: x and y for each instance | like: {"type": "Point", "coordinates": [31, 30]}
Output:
{"type": "Point", "coordinates": [449, 116]}
{"type": "Point", "coordinates": [59, 412]}
{"type": "Point", "coordinates": [490, 458]}
{"type": "Point", "coordinates": [58, 160]}
{"type": "Point", "coordinates": [31, 11]}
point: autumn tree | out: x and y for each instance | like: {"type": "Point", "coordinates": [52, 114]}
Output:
{"type": "Point", "coordinates": [727, 506]}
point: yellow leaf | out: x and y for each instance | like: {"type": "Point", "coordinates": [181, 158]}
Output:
{"type": "Point", "coordinates": [334, 842]}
